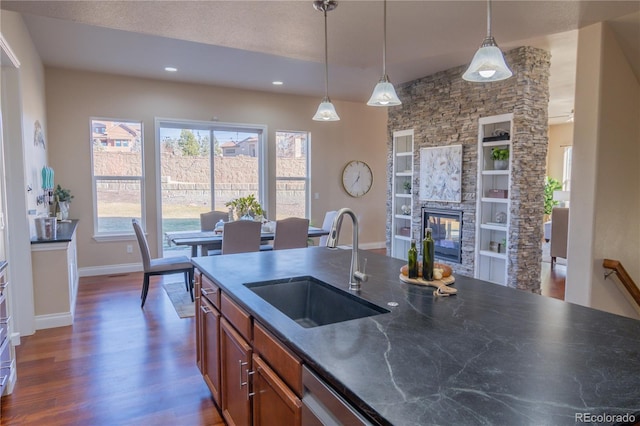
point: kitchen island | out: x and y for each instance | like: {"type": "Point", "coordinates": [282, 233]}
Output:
{"type": "Point", "coordinates": [489, 355]}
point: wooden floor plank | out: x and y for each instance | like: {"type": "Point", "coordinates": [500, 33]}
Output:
{"type": "Point", "coordinates": [116, 365]}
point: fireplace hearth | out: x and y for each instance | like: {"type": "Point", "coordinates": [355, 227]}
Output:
{"type": "Point", "coordinates": [446, 226]}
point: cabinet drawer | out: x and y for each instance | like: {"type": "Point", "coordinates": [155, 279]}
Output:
{"type": "Point", "coordinates": [4, 319]}
{"type": "Point", "coordinates": [211, 291]}
{"type": "Point", "coordinates": [5, 364]}
{"type": "Point", "coordinates": [236, 316]}
{"type": "Point", "coordinates": [3, 281]}
{"type": "Point", "coordinates": [280, 359]}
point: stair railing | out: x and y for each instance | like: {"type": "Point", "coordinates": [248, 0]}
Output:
{"type": "Point", "coordinates": [616, 267]}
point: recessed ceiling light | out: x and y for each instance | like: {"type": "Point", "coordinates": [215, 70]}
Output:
{"type": "Point", "coordinates": [277, 83]}
{"type": "Point", "coordinates": [170, 69]}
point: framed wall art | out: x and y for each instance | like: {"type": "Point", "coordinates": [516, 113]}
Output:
{"type": "Point", "coordinates": [441, 174]}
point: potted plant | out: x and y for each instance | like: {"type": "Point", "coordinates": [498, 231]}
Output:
{"type": "Point", "coordinates": [63, 198]}
{"type": "Point", "coordinates": [407, 187]}
{"type": "Point", "coordinates": [246, 207]}
{"type": "Point", "coordinates": [500, 156]}
{"type": "Point", "coordinates": [550, 185]}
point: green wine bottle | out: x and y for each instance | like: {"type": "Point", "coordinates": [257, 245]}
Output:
{"type": "Point", "coordinates": [427, 255]}
{"type": "Point", "coordinates": [413, 260]}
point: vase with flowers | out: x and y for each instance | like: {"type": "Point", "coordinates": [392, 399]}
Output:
{"type": "Point", "coordinates": [63, 198]}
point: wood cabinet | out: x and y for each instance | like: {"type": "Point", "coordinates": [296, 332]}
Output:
{"type": "Point", "coordinates": [235, 355]}
{"type": "Point", "coordinates": [208, 333]}
{"type": "Point", "coordinates": [253, 378]}
{"type": "Point", "coordinates": [55, 282]}
{"type": "Point", "coordinates": [402, 190]}
{"type": "Point", "coordinates": [493, 198]}
{"type": "Point", "coordinates": [273, 402]}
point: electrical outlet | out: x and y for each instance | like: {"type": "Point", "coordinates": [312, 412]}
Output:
{"type": "Point", "coordinates": [129, 248]}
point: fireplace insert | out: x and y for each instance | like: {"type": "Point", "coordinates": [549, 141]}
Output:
{"type": "Point", "coordinates": [446, 226]}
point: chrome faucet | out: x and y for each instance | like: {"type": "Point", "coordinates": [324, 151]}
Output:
{"type": "Point", "coordinates": [355, 275]}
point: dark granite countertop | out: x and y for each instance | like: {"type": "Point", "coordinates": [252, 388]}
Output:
{"type": "Point", "coordinates": [64, 233]}
{"type": "Point", "coordinates": [489, 355]}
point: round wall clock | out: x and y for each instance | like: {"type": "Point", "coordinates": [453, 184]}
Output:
{"type": "Point", "coordinates": [357, 178]}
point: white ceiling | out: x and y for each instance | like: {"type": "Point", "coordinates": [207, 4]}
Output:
{"type": "Point", "coordinates": [249, 44]}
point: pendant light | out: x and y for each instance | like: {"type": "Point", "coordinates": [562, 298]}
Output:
{"type": "Point", "coordinates": [326, 110]}
{"type": "Point", "coordinates": [488, 63]}
{"type": "Point", "coordinates": [384, 94]}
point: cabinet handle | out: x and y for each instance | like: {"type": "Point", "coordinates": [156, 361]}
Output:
{"type": "Point", "coordinates": [5, 320]}
{"type": "Point", "coordinates": [3, 286]}
{"type": "Point", "coordinates": [205, 309]}
{"type": "Point", "coordinates": [206, 293]}
{"type": "Point", "coordinates": [5, 364]}
{"type": "Point", "coordinates": [243, 364]}
{"type": "Point", "coordinates": [249, 373]}
{"type": "Point", "coordinates": [4, 380]}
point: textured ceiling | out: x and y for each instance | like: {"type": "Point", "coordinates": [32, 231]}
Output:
{"type": "Point", "coordinates": [249, 44]}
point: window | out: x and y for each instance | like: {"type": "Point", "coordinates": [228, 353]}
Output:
{"type": "Point", "coordinates": [292, 174]}
{"type": "Point", "coordinates": [566, 169]}
{"type": "Point", "coordinates": [205, 165]}
{"type": "Point", "coordinates": [118, 176]}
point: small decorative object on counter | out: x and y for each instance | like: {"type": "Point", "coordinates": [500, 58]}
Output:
{"type": "Point", "coordinates": [427, 255]}
{"type": "Point", "coordinates": [413, 260]}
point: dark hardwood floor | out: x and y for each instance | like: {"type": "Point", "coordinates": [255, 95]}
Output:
{"type": "Point", "coordinates": [117, 364]}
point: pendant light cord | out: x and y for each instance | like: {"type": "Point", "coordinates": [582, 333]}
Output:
{"type": "Point", "coordinates": [488, 18]}
{"type": "Point", "coordinates": [384, 42]}
{"type": "Point", "coordinates": [326, 55]}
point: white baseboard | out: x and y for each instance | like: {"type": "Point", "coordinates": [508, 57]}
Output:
{"type": "Point", "coordinates": [125, 268]}
{"type": "Point", "coordinates": [53, 320]}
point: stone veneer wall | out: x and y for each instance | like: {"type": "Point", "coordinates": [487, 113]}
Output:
{"type": "Point", "coordinates": [443, 109]}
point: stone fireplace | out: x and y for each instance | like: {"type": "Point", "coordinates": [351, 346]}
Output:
{"type": "Point", "coordinates": [446, 226]}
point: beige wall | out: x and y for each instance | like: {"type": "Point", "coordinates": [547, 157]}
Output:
{"type": "Point", "coordinates": [605, 199]}
{"type": "Point", "coordinates": [22, 104]}
{"type": "Point", "coordinates": [560, 136]}
{"type": "Point", "coordinates": [73, 97]}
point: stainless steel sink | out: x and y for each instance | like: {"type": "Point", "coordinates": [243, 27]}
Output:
{"type": "Point", "coordinates": [312, 303]}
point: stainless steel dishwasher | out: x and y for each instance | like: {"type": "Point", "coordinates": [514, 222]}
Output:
{"type": "Point", "coordinates": [322, 406]}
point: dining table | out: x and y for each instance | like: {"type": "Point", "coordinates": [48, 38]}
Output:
{"type": "Point", "coordinates": [213, 238]}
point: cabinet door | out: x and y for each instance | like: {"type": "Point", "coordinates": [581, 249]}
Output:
{"type": "Point", "coordinates": [211, 348]}
{"type": "Point", "coordinates": [273, 402]}
{"type": "Point", "coordinates": [199, 317]}
{"type": "Point", "coordinates": [235, 355]}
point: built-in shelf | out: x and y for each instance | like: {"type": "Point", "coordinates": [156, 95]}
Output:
{"type": "Point", "coordinates": [403, 158]}
{"type": "Point", "coordinates": [493, 254]}
{"type": "Point", "coordinates": [491, 227]}
{"type": "Point", "coordinates": [495, 200]}
{"type": "Point", "coordinates": [493, 214]}
{"type": "Point", "coordinates": [495, 172]}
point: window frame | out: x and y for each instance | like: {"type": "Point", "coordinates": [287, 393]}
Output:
{"type": "Point", "coordinates": [211, 126]}
{"type": "Point", "coordinates": [307, 178]}
{"type": "Point", "coordinates": [116, 236]}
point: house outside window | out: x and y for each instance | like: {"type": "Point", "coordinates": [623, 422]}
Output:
{"type": "Point", "coordinates": [292, 174]}
{"type": "Point", "coordinates": [118, 176]}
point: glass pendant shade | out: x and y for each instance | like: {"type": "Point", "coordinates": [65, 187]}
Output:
{"type": "Point", "coordinates": [326, 111]}
{"type": "Point", "coordinates": [488, 64]}
{"type": "Point", "coordinates": [384, 94]}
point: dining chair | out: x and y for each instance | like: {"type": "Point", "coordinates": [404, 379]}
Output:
{"type": "Point", "coordinates": [241, 236]}
{"type": "Point", "coordinates": [291, 232]}
{"type": "Point", "coordinates": [208, 222]}
{"type": "Point", "coordinates": [161, 266]}
{"type": "Point", "coordinates": [326, 225]}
